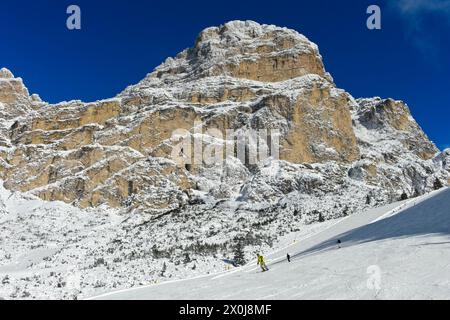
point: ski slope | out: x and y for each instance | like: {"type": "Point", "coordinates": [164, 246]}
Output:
{"type": "Point", "coordinates": [400, 251]}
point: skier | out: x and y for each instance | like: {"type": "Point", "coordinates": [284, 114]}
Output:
{"type": "Point", "coordinates": [262, 263]}
{"type": "Point", "coordinates": [288, 257]}
{"type": "Point", "coordinates": [339, 243]}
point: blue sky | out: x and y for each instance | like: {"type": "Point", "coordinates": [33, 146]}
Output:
{"type": "Point", "coordinates": [121, 41]}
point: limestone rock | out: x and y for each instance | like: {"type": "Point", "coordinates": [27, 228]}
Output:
{"type": "Point", "coordinates": [394, 117]}
{"type": "Point", "coordinates": [241, 76]}
{"type": "Point", "coordinates": [13, 95]}
{"type": "Point", "coordinates": [6, 74]}
{"type": "Point", "coordinates": [244, 49]}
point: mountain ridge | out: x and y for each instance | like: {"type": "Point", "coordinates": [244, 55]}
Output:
{"type": "Point", "coordinates": [293, 94]}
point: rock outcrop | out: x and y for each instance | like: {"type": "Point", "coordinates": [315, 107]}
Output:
{"type": "Point", "coordinates": [246, 50]}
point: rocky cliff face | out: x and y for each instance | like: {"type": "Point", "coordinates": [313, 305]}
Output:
{"type": "Point", "coordinates": [14, 102]}
{"type": "Point", "coordinates": [395, 152]}
{"type": "Point", "coordinates": [245, 50]}
{"type": "Point", "coordinates": [240, 76]}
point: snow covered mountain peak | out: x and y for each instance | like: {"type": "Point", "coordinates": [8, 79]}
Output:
{"type": "Point", "coordinates": [15, 102]}
{"type": "Point", "coordinates": [392, 119]}
{"type": "Point", "coordinates": [245, 50]}
{"type": "Point", "coordinates": [6, 74]}
{"type": "Point", "coordinates": [12, 90]}
{"type": "Point", "coordinates": [241, 75]}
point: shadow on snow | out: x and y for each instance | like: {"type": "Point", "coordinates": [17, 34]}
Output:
{"type": "Point", "coordinates": [431, 216]}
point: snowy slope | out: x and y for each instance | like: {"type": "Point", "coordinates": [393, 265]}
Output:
{"type": "Point", "coordinates": [397, 252]}
{"type": "Point", "coordinates": [51, 250]}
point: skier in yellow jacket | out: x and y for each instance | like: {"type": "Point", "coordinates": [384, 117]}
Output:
{"type": "Point", "coordinates": [261, 263]}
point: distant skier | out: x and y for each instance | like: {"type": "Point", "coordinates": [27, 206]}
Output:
{"type": "Point", "coordinates": [288, 257]}
{"type": "Point", "coordinates": [261, 263]}
{"type": "Point", "coordinates": [339, 243]}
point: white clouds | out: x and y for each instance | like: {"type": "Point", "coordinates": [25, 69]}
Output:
{"type": "Point", "coordinates": [413, 11]}
{"type": "Point", "coordinates": [417, 7]}
{"type": "Point", "coordinates": [415, 14]}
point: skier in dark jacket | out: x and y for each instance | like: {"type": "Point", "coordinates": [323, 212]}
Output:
{"type": "Point", "coordinates": [288, 257]}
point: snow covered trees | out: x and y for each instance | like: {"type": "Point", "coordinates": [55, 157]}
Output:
{"type": "Point", "coordinates": [163, 270]}
{"type": "Point", "coordinates": [321, 217]}
{"type": "Point", "coordinates": [437, 184]}
{"type": "Point", "coordinates": [239, 256]}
